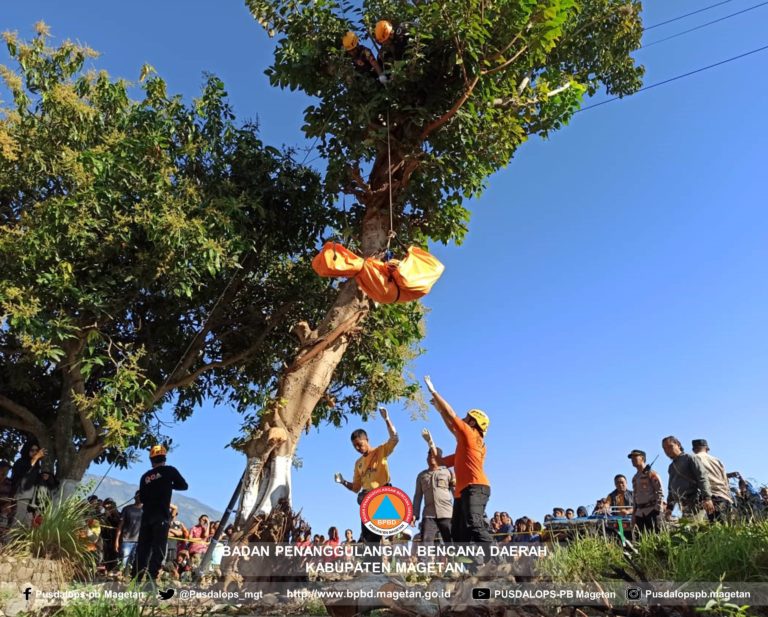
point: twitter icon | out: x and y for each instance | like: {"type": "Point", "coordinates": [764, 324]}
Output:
{"type": "Point", "coordinates": [167, 594]}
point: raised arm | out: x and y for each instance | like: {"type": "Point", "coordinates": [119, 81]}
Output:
{"type": "Point", "coordinates": [391, 430]}
{"type": "Point", "coordinates": [446, 411]}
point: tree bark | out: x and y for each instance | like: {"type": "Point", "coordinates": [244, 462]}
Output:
{"type": "Point", "coordinates": [272, 445]}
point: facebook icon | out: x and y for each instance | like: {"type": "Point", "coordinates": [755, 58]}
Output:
{"type": "Point", "coordinates": [27, 592]}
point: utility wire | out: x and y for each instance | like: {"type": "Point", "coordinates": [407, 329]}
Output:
{"type": "Point", "coordinates": [677, 77]}
{"type": "Point", "coordinates": [669, 21]}
{"type": "Point", "coordinates": [709, 23]}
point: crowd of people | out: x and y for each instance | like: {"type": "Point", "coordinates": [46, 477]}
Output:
{"type": "Point", "coordinates": [450, 498]}
{"type": "Point", "coordinates": [454, 501]}
{"type": "Point", "coordinates": [143, 536]}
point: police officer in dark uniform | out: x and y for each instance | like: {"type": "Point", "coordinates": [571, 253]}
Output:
{"type": "Point", "coordinates": [155, 489]}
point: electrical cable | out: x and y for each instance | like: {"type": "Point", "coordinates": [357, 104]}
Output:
{"type": "Point", "coordinates": [677, 77]}
{"type": "Point", "coordinates": [669, 21]}
{"type": "Point", "coordinates": [709, 23]}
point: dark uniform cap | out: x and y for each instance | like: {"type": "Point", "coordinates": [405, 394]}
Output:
{"type": "Point", "coordinates": [640, 452]}
{"type": "Point", "coordinates": [699, 443]}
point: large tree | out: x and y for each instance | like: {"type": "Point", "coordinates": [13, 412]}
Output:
{"type": "Point", "coordinates": [152, 252]}
{"type": "Point", "coordinates": [477, 79]}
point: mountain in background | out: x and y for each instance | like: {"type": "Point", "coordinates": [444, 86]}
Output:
{"type": "Point", "coordinates": [189, 509]}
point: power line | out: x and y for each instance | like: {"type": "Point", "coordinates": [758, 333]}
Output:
{"type": "Point", "coordinates": [709, 23]}
{"type": "Point", "coordinates": [669, 21]}
{"type": "Point", "coordinates": [677, 77]}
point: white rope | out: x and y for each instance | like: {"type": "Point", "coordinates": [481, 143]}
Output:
{"type": "Point", "coordinates": [389, 184]}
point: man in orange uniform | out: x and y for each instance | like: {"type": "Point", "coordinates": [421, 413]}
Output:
{"type": "Point", "coordinates": [472, 487]}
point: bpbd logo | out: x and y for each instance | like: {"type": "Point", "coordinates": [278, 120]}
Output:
{"type": "Point", "coordinates": [386, 511]}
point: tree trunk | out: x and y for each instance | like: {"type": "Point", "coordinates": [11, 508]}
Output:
{"type": "Point", "coordinates": [301, 385]}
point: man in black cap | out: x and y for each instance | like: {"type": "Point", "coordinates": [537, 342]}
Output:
{"type": "Point", "coordinates": [688, 482]}
{"type": "Point", "coordinates": [718, 480]}
{"type": "Point", "coordinates": [648, 494]}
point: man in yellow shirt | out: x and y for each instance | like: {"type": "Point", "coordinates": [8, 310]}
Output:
{"type": "Point", "coordinates": [371, 469]}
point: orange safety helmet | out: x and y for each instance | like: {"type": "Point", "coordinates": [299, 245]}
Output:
{"type": "Point", "coordinates": [383, 31]}
{"type": "Point", "coordinates": [349, 41]}
{"type": "Point", "coordinates": [157, 451]}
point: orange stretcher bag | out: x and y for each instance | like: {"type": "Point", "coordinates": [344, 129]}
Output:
{"type": "Point", "coordinates": [385, 282]}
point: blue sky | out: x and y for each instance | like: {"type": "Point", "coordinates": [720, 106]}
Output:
{"type": "Point", "coordinates": [628, 298]}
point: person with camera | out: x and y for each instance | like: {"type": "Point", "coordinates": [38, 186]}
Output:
{"type": "Point", "coordinates": [25, 480]}
{"type": "Point", "coordinates": [371, 469]}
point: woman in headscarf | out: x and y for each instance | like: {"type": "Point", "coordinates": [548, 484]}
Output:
{"type": "Point", "coordinates": [25, 478]}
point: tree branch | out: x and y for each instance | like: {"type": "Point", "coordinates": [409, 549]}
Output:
{"type": "Point", "coordinates": [433, 126]}
{"type": "Point", "coordinates": [275, 319]}
{"type": "Point", "coordinates": [19, 425]}
{"type": "Point", "coordinates": [505, 64]}
{"type": "Point", "coordinates": [22, 413]}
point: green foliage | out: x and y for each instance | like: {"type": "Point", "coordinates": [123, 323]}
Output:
{"type": "Point", "coordinates": [125, 225]}
{"type": "Point", "coordinates": [732, 552]}
{"type": "Point", "coordinates": [583, 560]}
{"type": "Point", "coordinates": [59, 536]}
{"type": "Point", "coordinates": [478, 77]}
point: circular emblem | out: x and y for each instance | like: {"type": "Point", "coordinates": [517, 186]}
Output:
{"type": "Point", "coordinates": [386, 511]}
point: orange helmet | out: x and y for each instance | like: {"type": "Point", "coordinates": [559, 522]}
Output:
{"type": "Point", "coordinates": [349, 41]}
{"type": "Point", "coordinates": [157, 451]}
{"type": "Point", "coordinates": [383, 31]}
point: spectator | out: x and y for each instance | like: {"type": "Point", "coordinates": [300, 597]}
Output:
{"type": "Point", "coordinates": [569, 514]}
{"type": "Point", "coordinates": [333, 537]}
{"type": "Point", "coordinates": [25, 476]}
{"type": "Point", "coordinates": [180, 568]}
{"type": "Point", "coordinates": [305, 538]}
{"type": "Point", "coordinates": [558, 513]}
{"type": "Point", "coordinates": [198, 536]}
{"type": "Point", "coordinates": [581, 512]}
{"type": "Point", "coordinates": [620, 498]}
{"type": "Point", "coordinates": [495, 522]}
{"type": "Point", "coordinates": [764, 496]}
{"type": "Point", "coordinates": [6, 498]}
{"type": "Point", "coordinates": [602, 508]}
{"type": "Point", "coordinates": [127, 535]}
{"type": "Point", "coordinates": [506, 529]}
{"type": "Point", "coordinates": [177, 532]}
{"type": "Point", "coordinates": [349, 537]}
{"type": "Point", "coordinates": [718, 480]}
{"type": "Point", "coordinates": [688, 483]}
{"type": "Point", "coordinates": [111, 519]}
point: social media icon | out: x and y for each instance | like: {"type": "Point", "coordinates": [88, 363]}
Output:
{"type": "Point", "coordinates": [167, 594]}
{"type": "Point", "coordinates": [481, 593]}
{"type": "Point", "coordinates": [26, 593]}
{"type": "Point", "coordinates": [634, 593]}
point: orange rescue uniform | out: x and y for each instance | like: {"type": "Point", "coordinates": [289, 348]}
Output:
{"type": "Point", "coordinates": [468, 459]}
